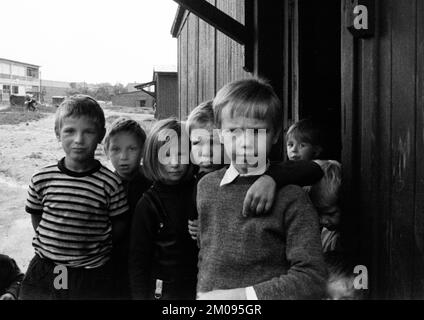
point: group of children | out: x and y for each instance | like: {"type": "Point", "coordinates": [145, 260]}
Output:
{"type": "Point", "coordinates": [212, 220]}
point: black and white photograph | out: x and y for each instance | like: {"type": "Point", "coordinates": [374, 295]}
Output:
{"type": "Point", "coordinates": [174, 151]}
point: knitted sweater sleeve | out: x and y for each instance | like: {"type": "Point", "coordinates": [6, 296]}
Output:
{"type": "Point", "coordinates": [306, 275]}
{"type": "Point", "coordinates": [301, 173]}
{"type": "Point", "coordinates": [141, 250]}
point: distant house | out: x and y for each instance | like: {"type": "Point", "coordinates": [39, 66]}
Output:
{"type": "Point", "coordinates": [164, 89]}
{"type": "Point", "coordinates": [51, 90]}
{"type": "Point", "coordinates": [18, 79]}
{"type": "Point", "coordinates": [136, 99]}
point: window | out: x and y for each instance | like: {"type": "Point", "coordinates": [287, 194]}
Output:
{"type": "Point", "coordinates": [6, 88]}
{"type": "Point", "coordinates": [15, 89]}
{"type": "Point", "coordinates": [32, 72]}
{"type": "Point", "coordinates": [142, 103]}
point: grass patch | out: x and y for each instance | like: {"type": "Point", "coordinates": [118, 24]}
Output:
{"type": "Point", "coordinates": [109, 106]}
{"type": "Point", "coordinates": [15, 117]}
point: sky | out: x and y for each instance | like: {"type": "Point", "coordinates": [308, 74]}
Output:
{"type": "Point", "coordinates": [90, 40]}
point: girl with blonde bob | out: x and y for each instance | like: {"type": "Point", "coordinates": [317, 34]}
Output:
{"type": "Point", "coordinates": [163, 258]}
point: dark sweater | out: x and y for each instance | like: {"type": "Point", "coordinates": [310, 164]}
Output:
{"type": "Point", "coordinates": [278, 253]}
{"type": "Point", "coordinates": [134, 188]}
{"type": "Point", "coordinates": [10, 276]}
{"type": "Point", "coordinates": [163, 252]}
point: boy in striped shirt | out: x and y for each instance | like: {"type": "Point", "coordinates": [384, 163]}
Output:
{"type": "Point", "coordinates": [75, 206]}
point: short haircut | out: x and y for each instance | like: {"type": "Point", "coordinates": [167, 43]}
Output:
{"type": "Point", "coordinates": [80, 105]}
{"type": "Point", "coordinates": [126, 125]}
{"type": "Point", "coordinates": [251, 98]}
{"type": "Point", "coordinates": [305, 130]}
{"type": "Point", "coordinates": [325, 193]}
{"type": "Point", "coordinates": [202, 116]}
{"type": "Point", "coordinates": [151, 165]}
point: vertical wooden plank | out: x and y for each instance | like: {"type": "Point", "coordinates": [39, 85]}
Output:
{"type": "Point", "coordinates": [184, 72]}
{"type": "Point", "coordinates": [295, 86]}
{"type": "Point", "coordinates": [418, 289]}
{"type": "Point", "coordinates": [192, 61]}
{"type": "Point", "coordinates": [403, 145]}
{"type": "Point", "coordinates": [348, 136]}
{"type": "Point", "coordinates": [179, 70]}
{"type": "Point", "coordinates": [384, 28]}
{"type": "Point", "coordinates": [370, 161]}
{"type": "Point", "coordinates": [206, 85]}
{"type": "Point", "coordinates": [286, 71]}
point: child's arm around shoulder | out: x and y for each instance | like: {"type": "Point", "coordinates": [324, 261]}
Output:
{"type": "Point", "coordinates": [301, 173]}
{"type": "Point", "coordinates": [260, 196]}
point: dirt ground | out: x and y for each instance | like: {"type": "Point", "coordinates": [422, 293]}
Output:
{"type": "Point", "coordinates": [24, 148]}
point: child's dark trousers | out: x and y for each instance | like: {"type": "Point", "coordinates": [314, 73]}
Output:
{"type": "Point", "coordinates": [42, 283]}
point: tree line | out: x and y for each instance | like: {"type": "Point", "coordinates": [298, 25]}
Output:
{"type": "Point", "coordinates": [100, 91]}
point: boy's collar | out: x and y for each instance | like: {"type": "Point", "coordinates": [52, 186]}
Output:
{"type": "Point", "coordinates": [62, 167]}
{"type": "Point", "coordinates": [231, 174]}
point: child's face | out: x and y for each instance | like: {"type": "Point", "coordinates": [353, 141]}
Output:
{"type": "Point", "coordinates": [203, 142]}
{"type": "Point", "coordinates": [175, 170]}
{"type": "Point", "coordinates": [299, 150]}
{"type": "Point", "coordinates": [124, 151]}
{"type": "Point", "coordinates": [79, 137]}
{"type": "Point", "coordinates": [247, 141]}
{"type": "Point", "coordinates": [329, 217]}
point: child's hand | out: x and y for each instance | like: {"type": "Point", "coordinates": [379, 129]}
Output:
{"type": "Point", "coordinates": [260, 196]}
{"type": "Point", "coordinates": [193, 228]}
{"type": "Point", "coordinates": [229, 294]}
{"type": "Point", "coordinates": [7, 296]}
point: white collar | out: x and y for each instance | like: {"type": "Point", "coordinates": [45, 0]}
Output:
{"type": "Point", "coordinates": [231, 174]}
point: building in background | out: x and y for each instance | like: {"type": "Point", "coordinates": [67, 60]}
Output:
{"type": "Point", "coordinates": [53, 91]}
{"type": "Point", "coordinates": [164, 89]}
{"type": "Point", "coordinates": [136, 99]}
{"type": "Point", "coordinates": [18, 79]}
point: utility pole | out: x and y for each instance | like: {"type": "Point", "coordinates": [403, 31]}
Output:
{"type": "Point", "coordinates": [40, 89]}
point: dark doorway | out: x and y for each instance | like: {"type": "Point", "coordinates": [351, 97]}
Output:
{"type": "Point", "coordinates": [319, 68]}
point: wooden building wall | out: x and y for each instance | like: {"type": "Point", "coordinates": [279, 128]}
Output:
{"type": "Point", "coordinates": [383, 145]}
{"type": "Point", "coordinates": [382, 134]}
{"type": "Point", "coordinates": [166, 95]}
{"type": "Point", "coordinates": [207, 59]}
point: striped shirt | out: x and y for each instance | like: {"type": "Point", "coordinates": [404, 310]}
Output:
{"type": "Point", "coordinates": [76, 209]}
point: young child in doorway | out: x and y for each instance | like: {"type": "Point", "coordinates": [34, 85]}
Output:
{"type": "Point", "coordinates": [304, 142]}
{"type": "Point", "coordinates": [274, 256]}
{"type": "Point", "coordinates": [325, 197]}
{"type": "Point", "coordinates": [75, 206]}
